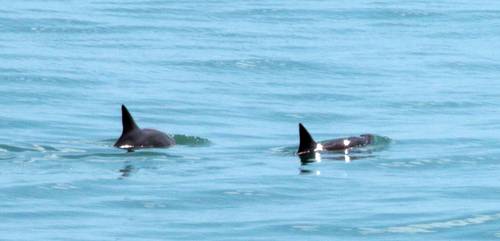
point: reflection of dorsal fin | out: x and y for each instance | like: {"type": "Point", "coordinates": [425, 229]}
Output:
{"type": "Point", "coordinates": [127, 121]}
{"type": "Point", "coordinates": [307, 143]}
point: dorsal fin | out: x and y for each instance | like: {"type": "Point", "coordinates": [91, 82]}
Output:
{"type": "Point", "coordinates": [307, 143]}
{"type": "Point", "coordinates": [127, 121]}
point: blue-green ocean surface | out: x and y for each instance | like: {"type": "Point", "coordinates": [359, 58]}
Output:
{"type": "Point", "coordinates": [232, 79]}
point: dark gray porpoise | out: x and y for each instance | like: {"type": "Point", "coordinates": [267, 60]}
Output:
{"type": "Point", "coordinates": [134, 137]}
{"type": "Point", "coordinates": [308, 146]}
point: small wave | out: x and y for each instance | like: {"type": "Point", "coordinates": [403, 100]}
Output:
{"type": "Point", "coordinates": [138, 153]}
{"type": "Point", "coordinates": [413, 163]}
{"type": "Point", "coordinates": [284, 150]}
{"type": "Point", "coordinates": [9, 148]}
{"type": "Point", "coordinates": [251, 64]}
{"type": "Point", "coordinates": [434, 226]}
{"type": "Point", "coordinates": [34, 147]}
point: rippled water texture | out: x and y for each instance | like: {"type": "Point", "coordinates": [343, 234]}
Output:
{"type": "Point", "coordinates": [232, 79]}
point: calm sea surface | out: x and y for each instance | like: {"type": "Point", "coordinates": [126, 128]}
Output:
{"type": "Point", "coordinates": [232, 79]}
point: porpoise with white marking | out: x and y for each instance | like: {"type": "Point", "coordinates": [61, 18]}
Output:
{"type": "Point", "coordinates": [308, 146]}
{"type": "Point", "coordinates": [134, 137]}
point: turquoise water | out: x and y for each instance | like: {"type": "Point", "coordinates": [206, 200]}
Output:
{"type": "Point", "coordinates": [233, 79]}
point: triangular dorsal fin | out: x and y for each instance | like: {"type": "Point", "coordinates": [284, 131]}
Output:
{"type": "Point", "coordinates": [127, 121]}
{"type": "Point", "coordinates": [307, 143]}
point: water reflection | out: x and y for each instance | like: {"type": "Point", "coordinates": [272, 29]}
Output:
{"type": "Point", "coordinates": [346, 155]}
{"type": "Point", "coordinates": [126, 171]}
{"type": "Point", "coordinates": [309, 172]}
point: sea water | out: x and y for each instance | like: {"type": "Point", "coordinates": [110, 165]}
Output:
{"type": "Point", "coordinates": [232, 80]}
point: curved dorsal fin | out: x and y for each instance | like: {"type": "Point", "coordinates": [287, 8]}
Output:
{"type": "Point", "coordinates": [307, 143]}
{"type": "Point", "coordinates": [127, 121]}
